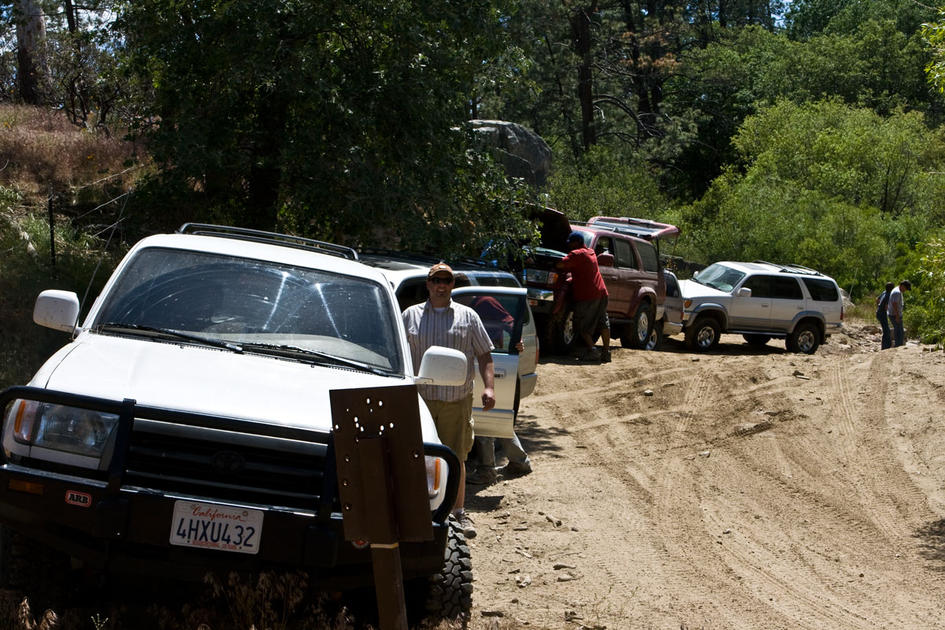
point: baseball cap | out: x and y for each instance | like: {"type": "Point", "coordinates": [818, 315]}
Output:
{"type": "Point", "coordinates": [440, 267]}
{"type": "Point", "coordinates": [575, 236]}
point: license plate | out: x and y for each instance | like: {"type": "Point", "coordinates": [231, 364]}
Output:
{"type": "Point", "coordinates": [210, 526]}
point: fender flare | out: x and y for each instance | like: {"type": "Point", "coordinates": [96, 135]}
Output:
{"type": "Point", "coordinates": [716, 310]}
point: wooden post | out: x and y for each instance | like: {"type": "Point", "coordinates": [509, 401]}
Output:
{"type": "Point", "coordinates": [52, 231]}
{"type": "Point", "coordinates": [382, 483]}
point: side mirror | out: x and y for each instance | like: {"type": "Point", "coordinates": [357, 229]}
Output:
{"type": "Point", "coordinates": [56, 309]}
{"type": "Point", "coordinates": [744, 292]}
{"type": "Point", "coordinates": [605, 259]}
{"type": "Point", "coordinates": [442, 366]}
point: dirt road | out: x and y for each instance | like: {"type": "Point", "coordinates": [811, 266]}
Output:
{"type": "Point", "coordinates": [738, 489]}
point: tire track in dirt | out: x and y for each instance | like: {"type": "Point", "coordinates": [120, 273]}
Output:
{"type": "Point", "coordinates": [739, 495]}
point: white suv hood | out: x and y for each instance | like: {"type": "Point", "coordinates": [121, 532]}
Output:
{"type": "Point", "coordinates": [206, 380]}
{"type": "Point", "coordinates": [692, 289]}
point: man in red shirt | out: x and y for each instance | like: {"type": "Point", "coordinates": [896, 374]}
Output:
{"type": "Point", "coordinates": [590, 297]}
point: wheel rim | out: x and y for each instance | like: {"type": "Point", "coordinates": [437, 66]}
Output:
{"type": "Point", "coordinates": [706, 337]}
{"type": "Point", "coordinates": [643, 328]}
{"type": "Point", "coordinates": [567, 328]}
{"type": "Point", "coordinates": [806, 341]}
{"type": "Point", "coordinates": [651, 340]}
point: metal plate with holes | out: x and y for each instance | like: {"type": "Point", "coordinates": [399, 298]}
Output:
{"type": "Point", "coordinates": [379, 455]}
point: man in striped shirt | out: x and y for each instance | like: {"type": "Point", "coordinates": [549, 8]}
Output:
{"type": "Point", "coordinates": [442, 322]}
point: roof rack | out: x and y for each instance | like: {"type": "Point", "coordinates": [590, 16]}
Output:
{"type": "Point", "coordinates": [791, 268]}
{"type": "Point", "coordinates": [641, 228]}
{"type": "Point", "coordinates": [272, 238]}
{"type": "Point", "coordinates": [426, 259]}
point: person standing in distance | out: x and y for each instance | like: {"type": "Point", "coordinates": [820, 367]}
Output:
{"type": "Point", "coordinates": [881, 303]}
{"type": "Point", "coordinates": [894, 309]}
{"type": "Point", "coordinates": [442, 322]}
{"type": "Point", "coordinates": [590, 297]}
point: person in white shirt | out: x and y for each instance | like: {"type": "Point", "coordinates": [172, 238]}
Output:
{"type": "Point", "coordinates": [894, 309]}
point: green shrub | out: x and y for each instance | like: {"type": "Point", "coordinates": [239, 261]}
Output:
{"type": "Point", "coordinates": [925, 302]}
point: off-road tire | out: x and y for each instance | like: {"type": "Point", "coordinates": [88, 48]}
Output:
{"type": "Point", "coordinates": [757, 341]}
{"type": "Point", "coordinates": [703, 334]}
{"type": "Point", "coordinates": [637, 332]}
{"type": "Point", "coordinates": [805, 338]}
{"type": "Point", "coordinates": [655, 340]}
{"type": "Point", "coordinates": [447, 595]}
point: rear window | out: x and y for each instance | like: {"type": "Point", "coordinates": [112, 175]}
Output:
{"type": "Point", "coordinates": [822, 290]}
{"type": "Point", "coordinates": [651, 261]}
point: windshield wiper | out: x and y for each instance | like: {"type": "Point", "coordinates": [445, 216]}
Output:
{"type": "Point", "coordinates": [164, 333]}
{"type": "Point", "coordinates": [302, 354]}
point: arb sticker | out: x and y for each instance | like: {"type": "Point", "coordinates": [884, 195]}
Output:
{"type": "Point", "coordinates": [82, 499]}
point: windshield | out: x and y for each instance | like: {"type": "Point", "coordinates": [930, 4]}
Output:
{"type": "Point", "coordinates": [238, 303]}
{"type": "Point", "coordinates": [719, 277]}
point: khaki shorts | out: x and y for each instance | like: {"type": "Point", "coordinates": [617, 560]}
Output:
{"type": "Point", "coordinates": [454, 424]}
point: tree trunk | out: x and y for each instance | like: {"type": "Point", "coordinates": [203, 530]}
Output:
{"type": "Point", "coordinates": [581, 35]}
{"type": "Point", "coordinates": [32, 71]}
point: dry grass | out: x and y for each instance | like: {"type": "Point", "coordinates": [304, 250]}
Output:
{"type": "Point", "coordinates": [265, 601]}
{"type": "Point", "coordinates": [41, 151]}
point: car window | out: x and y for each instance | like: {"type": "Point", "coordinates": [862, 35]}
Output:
{"type": "Point", "coordinates": [720, 277]}
{"type": "Point", "coordinates": [624, 257]}
{"type": "Point", "coordinates": [502, 315]}
{"type": "Point", "coordinates": [760, 286]}
{"type": "Point", "coordinates": [651, 260]}
{"type": "Point", "coordinates": [821, 290]}
{"type": "Point", "coordinates": [604, 245]}
{"type": "Point", "coordinates": [412, 291]}
{"type": "Point", "coordinates": [786, 288]}
{"type": "Point", "coordinates": [672, 286]}
{"type": "Point", "coordinates": [244, 301]}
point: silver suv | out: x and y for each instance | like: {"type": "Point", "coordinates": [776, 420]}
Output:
{"type": "Point", "coordinates": [760, 300]}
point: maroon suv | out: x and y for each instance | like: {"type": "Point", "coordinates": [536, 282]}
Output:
{"type": "Point", "coordinates": [628, 255]}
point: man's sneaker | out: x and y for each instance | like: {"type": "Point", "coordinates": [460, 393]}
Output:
{"type": "Point", "coordinates": [605, 356]}
{"type": "Point", "coordinates": [482, 476]}
{"type": "Point", "coordinates": [515, 469]}
{"type": "Point", "coordinates": [589, 355]}
{"type": "Point", "coordinates": [465, 524]}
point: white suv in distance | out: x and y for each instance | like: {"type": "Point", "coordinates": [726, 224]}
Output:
{"type": "Point", "coordinates": [760, 300]}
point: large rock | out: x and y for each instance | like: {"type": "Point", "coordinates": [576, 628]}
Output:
{"type": "Point", "coordinates": [522, 151]}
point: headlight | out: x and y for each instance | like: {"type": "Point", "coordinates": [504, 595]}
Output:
{"type": "Point", "coordinates": [60, 433]}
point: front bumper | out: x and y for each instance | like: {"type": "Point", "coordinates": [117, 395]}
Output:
{"type": "Point", "coordinates": [121, 520]}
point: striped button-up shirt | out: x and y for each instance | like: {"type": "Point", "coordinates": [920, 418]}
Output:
{"type": "Point", "coordinates": [455, 326]}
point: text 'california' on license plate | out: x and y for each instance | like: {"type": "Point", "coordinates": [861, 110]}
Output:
{"type": "Point", "coordinates": [209, 526]}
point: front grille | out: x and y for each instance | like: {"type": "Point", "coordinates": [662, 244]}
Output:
{"type": "Point", "coordinates": [221, 464]}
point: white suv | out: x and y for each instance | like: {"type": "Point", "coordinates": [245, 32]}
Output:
{"type": "Point", "coordinates": [188, 424]}
{"type": "Point", "coordinates": [760, 300]}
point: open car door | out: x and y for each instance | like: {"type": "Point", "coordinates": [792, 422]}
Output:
{"type": "Point", "coordinates": [504, 312]}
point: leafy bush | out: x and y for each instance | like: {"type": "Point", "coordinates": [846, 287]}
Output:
{"type": "Point", "coordinates": [925, 302]}
{"type": "Point", "coordinates": [826, 185]}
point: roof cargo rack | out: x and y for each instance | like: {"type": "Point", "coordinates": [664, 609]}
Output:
{"type": "Point", "coordinates": [791, 268]}
{"type": "Point", "coordinates": [272, 238]}
{"type": "Point", "coordinates": [641, 228]}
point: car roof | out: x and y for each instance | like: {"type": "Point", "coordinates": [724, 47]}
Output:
{"type": "Point", "coordinates": [762, 266]}
{"type": "Point", "coordinates": [603, 231]}
{"type": "Point", "coordinates": [399, 267]}
{"type": "Point", "coordinates": [642, 228]}
{"type": "Point", "coordinates": [267, 251]}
